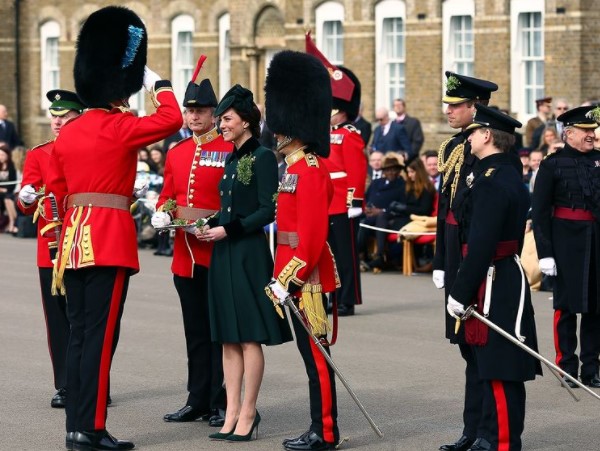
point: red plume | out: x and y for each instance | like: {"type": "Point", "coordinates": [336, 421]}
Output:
{"type": "Point", "coordinates": [198, 67]}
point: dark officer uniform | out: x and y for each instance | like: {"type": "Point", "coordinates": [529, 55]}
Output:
{"type": "Point", "coordinates": [193, 170]}
{"type": "Point", "coordinates": [566, 208]}
{"type": "Point", "coordinates": [491, 217]}
{"type": "Point", "coordinates": [35, 173]}
{"type": "Point", "coordinates": [455, 162]}
{"type": "Point", "coordinates": [304, 263]}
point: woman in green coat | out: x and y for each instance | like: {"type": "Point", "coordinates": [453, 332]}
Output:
{"type": "Point", "coordinates": [241, 315]}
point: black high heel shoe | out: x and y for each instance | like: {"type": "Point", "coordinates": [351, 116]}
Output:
{"type": "Point", "coordinates": [222, 435]}
{"type": "Point", "coordinates": [248, 436]}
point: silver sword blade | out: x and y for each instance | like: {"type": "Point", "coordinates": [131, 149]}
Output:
{"type": "Point", "coordinates": [472, 312]}
{"type": "Point", "coordinates": [290, 303]}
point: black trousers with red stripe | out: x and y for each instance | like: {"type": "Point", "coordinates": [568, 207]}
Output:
{"type": "Point", "coordinates": [474, 425]}
{"type": "Point", "coordinates": [504, 414]}
{"type": "Point", "coordinates": [57, 327]}
{"type": "Point", "coordinates": [343, 237]}
{"type": "Point", "coordinates": [205, 358]}
{"type": "Point", "coordinates": [321, 386]}
{"type": "Point", "coordinates": [565, 342]}
{"type": "Point", "coordinates": [96, 297]}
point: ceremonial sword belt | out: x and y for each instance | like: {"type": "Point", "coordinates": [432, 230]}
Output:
{"type": "Point", "coordinates": [476, 332]}
{"type": "Point", "coordinates": [104, 200]}
{"type": "Point", "coordinates": [290, 239]}
{"type": "Point", "coordinates": [573, 214]}
{"type": "Point", "coordinates": [192, 214]}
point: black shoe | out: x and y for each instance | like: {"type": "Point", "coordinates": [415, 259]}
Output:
{"type": "Point", "coordinates": [59, 399]}
{"type": "Point", "coordinates": [345, 310]}
{"type": "Point", "coordinates": [377, 263]}
{"type": "Point", "coordinates": [480, 444]}
{"type": "Point", "coordinates": [462, 444]}
{"type": "Point", "coordinates": [186, 413]}
{"type": "Point", "coordinates": [99, 440]}
{"type": "Point", "coordinates": [570, 383]}
{"type": "Point", "coordinates": [217, 418]}
{"type": "Point", "coordinates": [309, 441]}
{"type": "Point", "coordinates": [593, 381]}
{"type": "Point", "coordinates": [108, 400]}
{"type": "Point", "coordinates": [69, 440]}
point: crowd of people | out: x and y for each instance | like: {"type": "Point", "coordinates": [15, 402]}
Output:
{"type": "Point", "coordinates": [336, 189]}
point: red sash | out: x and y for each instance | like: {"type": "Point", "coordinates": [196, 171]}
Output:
{"type": "Point", "coordinates": [574, 214]}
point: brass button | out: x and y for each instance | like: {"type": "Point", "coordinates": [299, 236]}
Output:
{"type": "Point", "coordinates": [191, 196]}
{"type": "Point", "coordinates": [191, 205]}
{"type": "Point", "coordinates": [191, 190]}
{"type": "Point", "coordinates": [224, 176]}
{"type": "Point", "coordinates": [228, 209]}
{"type": "Point", "coordinates": [230, 192]}
{"type": "Point", "coordinates": [221, 193]}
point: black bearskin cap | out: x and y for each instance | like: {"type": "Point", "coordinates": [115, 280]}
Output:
{"type": "Point", "coordinates": [111, 55]}
{"type": "Point", "coordinates": [350, 107]}
{"type": "Point", "coordinates": [298, 99]}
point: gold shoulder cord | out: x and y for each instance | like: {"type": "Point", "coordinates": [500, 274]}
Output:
{"type": "Point", "coordinates": [451, 166]}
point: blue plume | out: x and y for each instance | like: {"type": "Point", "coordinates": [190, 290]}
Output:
{"type": "Point", "coordinates": [133, 44]}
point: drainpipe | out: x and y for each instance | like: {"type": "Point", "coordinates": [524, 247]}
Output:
{"type": "Point", "coordinates": [17, 7]}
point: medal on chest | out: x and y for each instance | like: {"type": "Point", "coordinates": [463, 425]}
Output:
{"type": "Point", "coordinates": [288, 183]}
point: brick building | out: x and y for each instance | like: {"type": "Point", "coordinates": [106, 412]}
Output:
{"type": "Point", "coordinates": [398, 48]}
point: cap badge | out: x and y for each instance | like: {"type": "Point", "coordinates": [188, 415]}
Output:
{"type": "Point", "coordinates": [469, 180]}
{"type": "Point", "coordinates": [337, 75]}
{"type": "Point", "coordinates": [452, 83]}
{"type": "Point", "coordinates": [57, 97]}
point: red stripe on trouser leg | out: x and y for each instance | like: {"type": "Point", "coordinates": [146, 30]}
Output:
{"type": "Point", "coordinates": [502, 414]}
{"type": "Point", "coordinates": [106, 356]}
{"type": "Point", "coordinates": [325, 387]}
{"type": "Point", "coordinates": [557, 314]}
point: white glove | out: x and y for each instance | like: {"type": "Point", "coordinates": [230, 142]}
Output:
{"type": "Point", "coordinates": [278, 290]}
{"type": "Point", "coordinates": [160, 219]}
{"type": "Point", "coordinates": [140, 188]}
{"type": "Point", "coordinates": [150, 78]}
{"type": "Point", "coordinates": [548, 266]}
{"type": "Point", "coordinates": [191, 229]}
{"type": "Point", "coordinates": [455, 309]}
{"type": "Point", "coordinates": [27, 194]}
{"type": "Point", "coordinates": [438, 278]}
{"type": "Point", "coordinates": [354, 212]}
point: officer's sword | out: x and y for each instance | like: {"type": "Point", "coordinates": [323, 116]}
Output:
{"type": "Point", "coordinates": [289, 301]}
{"type": "Point", "coordinates": [470, 311]}
{"type": "Point", "coordinates": [55, 217]}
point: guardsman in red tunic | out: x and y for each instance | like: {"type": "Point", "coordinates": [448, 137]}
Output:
{"type": "Point", "coordinates": [347, 166]}
{"type": "Point", "coordinates": [298, 105]}
{"type": "Point", "coordinates": [91, 175]}
{"type": "Point", "coordinates": [65, 106]}
{"type": "Point", "coordinates": [193, 170]}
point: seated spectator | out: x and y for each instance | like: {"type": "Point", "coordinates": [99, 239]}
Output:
{"type": "Point", "coordinates": [549, 137]}
{"type": "Point", "coordinates": [524, 157]}
{"type": "Point", "coordinates": [374, 171]}
{"type": "Point", "coordinates": [420, 196]}
{"type": "Point", "coordinates": [390, 135]}
{"type": "Point", "coordinates": [379, 196]}
{"type": "Point", "coordinates": [430, 160]}
{"type": "Point", "coordinates": [8, 173]}
{"type": "Point", "coordinates": [158, 158]}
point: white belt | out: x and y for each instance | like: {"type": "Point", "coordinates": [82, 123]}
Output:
{"type": "Point", "coordinates": [337, 175]}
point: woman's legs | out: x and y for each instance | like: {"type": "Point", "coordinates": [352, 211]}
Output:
{"type": "Point", "coordinates": [254, 365]}
{"type": "Point", "coordinates": [233, 371]}
{"type": "Point", "coordinates": [11, 212]}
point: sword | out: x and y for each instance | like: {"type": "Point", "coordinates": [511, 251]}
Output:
{"type": "Point", "coordinates": [55, 217]}
{"type": "Point", "coordinates": [470, 311]}
{"type": "Point", "coordinates": [289, 301]}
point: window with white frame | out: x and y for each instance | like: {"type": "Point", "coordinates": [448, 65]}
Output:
{"type": "Point", "coordinates": [527, 56]}
{"type": "Point", "coordinates": [50, 64]}
{"type": "Point", "coordinates": [182, 54]}
{"type": "Point", "coordinates": [224, 55]}
{"type": "Point", "coordinates": [330, 31]}
{"type": "Point", "coordinates": [390, 78]}
{"type": "Point", "coordinates": [457, 31]}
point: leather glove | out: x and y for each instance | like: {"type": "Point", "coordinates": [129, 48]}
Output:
{"type": "Point", "coordinates": [191, 229]}
{"type": "Point", "coordinates": [354, 212]}
{"type": "Point", "coordinates": [397, 207]}
{"type": "Point", "coordinates": [438, 278]}
{"type": "Point", "coordinates": [455, 309]}
{"type": "Point", "coordinates": [150, 78]}
{"type": "Point", "coordinates": [278, 290]}
{"type": "Point", "coordinates": [140, 188]}
{"type": "Point", "coordinates": [160, 219]}
{"type": "Point", "coordinates": [27, 194]}
{"type": "Point", "coordinates": [548, 266]}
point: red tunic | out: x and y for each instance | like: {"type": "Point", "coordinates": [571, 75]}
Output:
{"type": "Point", "coordinates": [302, 207]}
{"type": "Point", "coordinates": [97, 153]}
{"type": "Point", "coordinates": [35, 173]}
{"type": "Point", "coordinates": [193, 170]}
{"type": "Point", "coordinates": [347, 165]}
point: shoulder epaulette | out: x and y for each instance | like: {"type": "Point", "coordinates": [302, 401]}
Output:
{"type": "Point", "coordinates": [41, 145]}
{"type": "Point", "coordinates": [489, 172]}
{"type": "Point", "coordinates": [180, 142]}
{"type": "Point", "coordinates": [311, 160]}
{"type": "Point", "coordinates": [351, 128]}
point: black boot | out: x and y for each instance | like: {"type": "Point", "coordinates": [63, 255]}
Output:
{"type": "Point", "coordinates": [462, 444]}
{"type": "Point", "coordinates": [309, 441]}
{"type": "Point", "coordinates": [99, 441]}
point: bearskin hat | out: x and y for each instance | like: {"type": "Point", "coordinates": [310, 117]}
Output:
{"type": "Point", "coordinates": [111, 55]}
{"type": "Point", "coordinates": [298, 99]}
{"type": "Point", "coordinates": [352, 106]}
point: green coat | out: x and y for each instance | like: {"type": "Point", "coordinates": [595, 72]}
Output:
{"type": "Point", "coordinates": [242, 264]}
